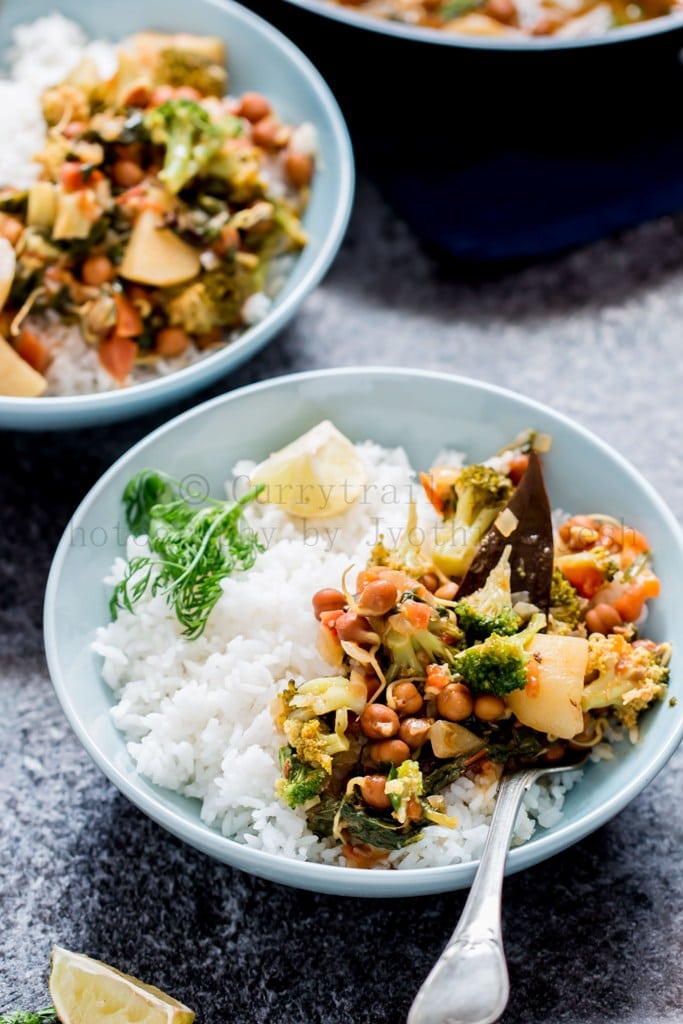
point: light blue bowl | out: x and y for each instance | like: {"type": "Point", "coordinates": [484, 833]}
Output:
{"type": "Point", "coordinates": [423, 412]}
{"type": "Point", "coordinates": [262, 59]}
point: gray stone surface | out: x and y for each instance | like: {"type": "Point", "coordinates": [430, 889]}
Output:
{"type": "Point", "coordinates": [595, 935]}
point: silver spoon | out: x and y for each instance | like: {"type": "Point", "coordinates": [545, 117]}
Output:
{"type": "Point", "coordinates": [469, 983]}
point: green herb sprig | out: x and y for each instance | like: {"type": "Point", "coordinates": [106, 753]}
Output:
{"type": "Point", "coordinates": [193, 549]}
{"type": "Point", "coordinates": [47, 1016]}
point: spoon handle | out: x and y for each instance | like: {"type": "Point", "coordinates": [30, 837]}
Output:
{"type": "Point", "coordinates": [469, 982]}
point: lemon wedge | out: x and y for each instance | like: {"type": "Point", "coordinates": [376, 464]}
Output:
{"type": "Point", "coordinates": [86, 991]}
{"type": "Point", "coordinates": [319, 474]}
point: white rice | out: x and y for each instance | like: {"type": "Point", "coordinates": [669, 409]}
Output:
{"type": "Point", "coordinates": [197, 714]}
{"type": "Point", "coordinates": [42, 53]}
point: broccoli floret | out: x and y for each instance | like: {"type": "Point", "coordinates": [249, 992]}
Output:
{"type": "Point", "coordinates": [411, 652]}
{"type": "Point", "coordinates": [300, 781]}
{"type": "Point", "coordinates": [628, 677]}
{"type": "Point", "coordinates": [566, 607]}
{"type": "Point", "coordinates": [191, 139]}
{"type": "Point", "coordinates": [403, 785]}
{"type": "Point", "coordinates": [481, 492]}
{"type": "Point", "coordinates": [299, 710]}
{"type": "Point", "coordinates": [313, 742]}
{"type": "Point", "coordinates": [179, 67]}
{"type": "Point", "coordinates": [407, 556]}
{"type": "Point", "coordinates": [489, 610]}
{"type": "Point", "coordinates": [215, 300]}
{"type": "Point", "coordinates": [498, 665]}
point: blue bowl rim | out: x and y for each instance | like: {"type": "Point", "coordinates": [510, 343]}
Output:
{"type": "Point", "coordinates": [323, 877]}
{"type": "Point", "coordinates": [255, 337]}
{"type": "Point", "coordinates": [526, 45]}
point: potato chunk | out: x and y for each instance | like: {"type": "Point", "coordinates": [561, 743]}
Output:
{"type": "Point", "coordinates": [156, 256]}
{"type": "Point", "coordinates": [17, 378]}
{"type": "Point", "coordinates": [551, 703]}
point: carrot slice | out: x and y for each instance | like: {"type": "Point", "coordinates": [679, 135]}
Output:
{"type": "Point", "coordinates": [416, 613]}
{"type": "Point", "coordinates": [128, 320]}
{"type": "Point", "coordinates": [33, 350]}
{"type": "Point", "coordinates": [582, 572]}
{"type": "Point", "coordinates": [117, 356]}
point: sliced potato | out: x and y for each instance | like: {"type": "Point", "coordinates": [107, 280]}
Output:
{"type": "Point", "coordinates": [449, 739]}
{"type": "Point", "coordinates": [551, 703]}
{"type": "Point", "coordinates": [42, 204]}
{"type": "Point", "coordinates": [156, 256]}
{"type": "Point", "coordinates": [8, 266]}
{"type": "Point", "coordinates": [148, 44]}
{"type": "Point", "coordinates": [17, 378]}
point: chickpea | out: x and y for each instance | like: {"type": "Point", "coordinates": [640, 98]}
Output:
{"type": "Point", "coordinates": [96, 270]}
{"type": "Point", "coordinates": [378, 597]}
{"type": "Point", "coordinates": [327, 600]}
{"type": "Point", "coordinates": [267, 133]}
{"type": "Point", "coordinates": [488, 707]}
{"type": "Point", "coordinates": [393, 751]}
{"type": "Point", "coordinates": [602, 619]}
{"type": "Point", "coordinates": [354, 628]}
{"type": "Point", "coordinates": [579, 532]}
{"type": "Point", "coordinates": [415, 731]}
{"type": "Point", "coordinates": [253, 106]}
{"type": "Point", "coordinates": [455, 702]}
{"type": "Point", "coordinates": [298, 168]}
{"type": "Point", "coordinates": [187, 92]}
{"type": "Point", "coordinates": [447, 591]}
{"type": "Point", "coordinates": [431, 581]}
{"type": "Point", "coordinates": [372, 791]}
{"type": "Point", "coordinates": [406, 699]}
{"type": "Point", "coordinates": [171, 341]}
{"type": "Point", "coordinates": [502, 10]}
{"type": "Point", "coordinates": [379, 722]}
{"type": "Point", "coordinates": [227, 241]}
{"type": "Point", "coordinates": [554, 753]}
{"type": "Point", "coordinates": [127, 173]}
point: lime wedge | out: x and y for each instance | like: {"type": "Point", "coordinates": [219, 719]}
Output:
{"type": "Point", "coordinates": [319, 474]}
{"type": "Point", "coordinates": [86, 991]}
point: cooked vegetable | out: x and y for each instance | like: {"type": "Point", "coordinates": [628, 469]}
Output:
{"type": "Point", "coordinates": [490, 610]}
{"type": "Point", "coordinates": [8, 263]}
{"type": "Point", "coordinates": [432, 684]}
{"type": "Point", "coordinates": [512, 20]}
{"type": "Point", "coordinates": [480, 493]}
{"type": "Point", "coordinates": [17, 378]}
{"type": "Point", "coordinates": [156, 256]}
{"type": "Point", "coordinates": [154, 188]}
{"type": "Point", "coordinates": [551, 701]}
{"type": "Point", "coordinates": [625, 677]}
{"type": "Point", "coordinates": [566, 609]}
{"type": "Point", "coordinates": [190, 139]}
{"type": "Point", "coordinates": [191, 549]}
{"type": "Point", "coordinates": [499, 664]}
{"type": "Point", "coordinates": [300, 781]}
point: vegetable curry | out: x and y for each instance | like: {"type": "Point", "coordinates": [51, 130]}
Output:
{"type": "Point", "coordinates": [509, 642]}
{"type": "Point", "coordinates": [160, 207]}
